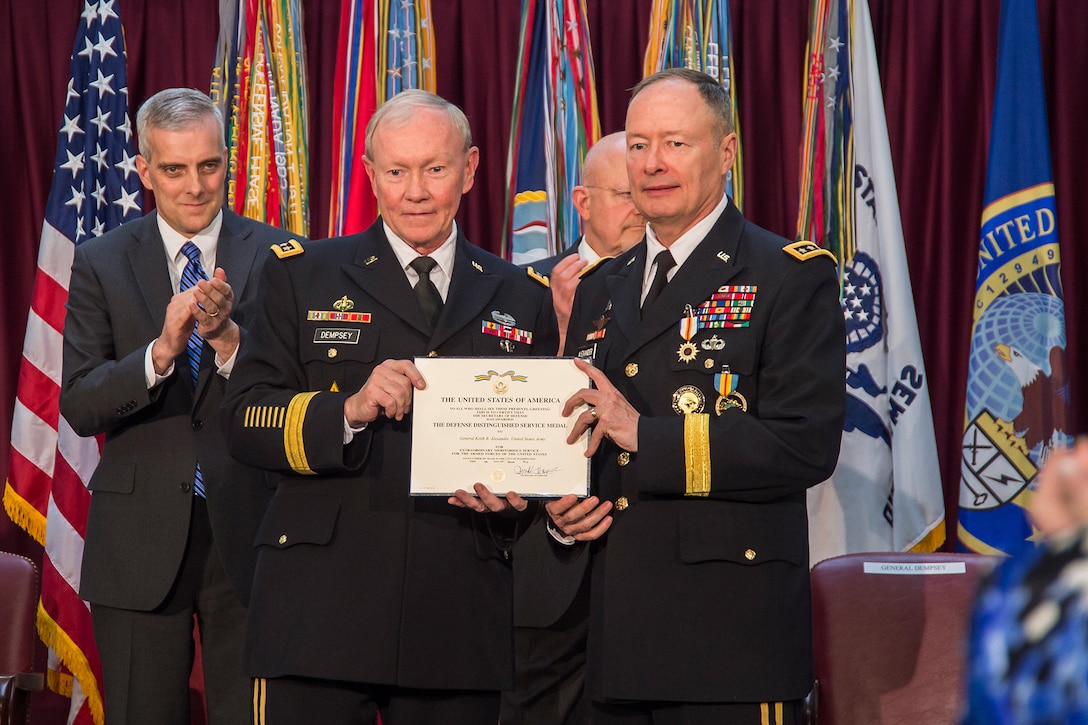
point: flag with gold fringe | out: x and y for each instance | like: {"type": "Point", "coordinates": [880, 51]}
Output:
{"type": "Point", "coordinates": [555, 121]}
{"type": "Point", "coordinates": [384, 48]}
{"type": "Point", "coordinates": [697, 34]}
{"type": "Point", "coordinates": [885, 493]}
{"type": "Point", "coordinates": [95, 188]}
{"type": "Point", "coordinates": [1017, 384]}
{"type": "Point", "coordinates": [259, 82]}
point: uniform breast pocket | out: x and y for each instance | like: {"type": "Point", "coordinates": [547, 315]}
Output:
{"type": "Point", "coordinates": [338, 358]}
{"type": "Point", "coordinates": [718, 367]}
{"type": "Point", "coordinates": [595, 352]}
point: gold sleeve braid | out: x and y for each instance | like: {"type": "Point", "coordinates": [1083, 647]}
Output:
{"type": "Point", "coordinates": [697, 453]}
{"type": "Point", "coordinates": [293, 444]}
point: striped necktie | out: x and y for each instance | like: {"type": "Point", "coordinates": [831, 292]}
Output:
{"type": "Point", "coordinates": [192, 274]}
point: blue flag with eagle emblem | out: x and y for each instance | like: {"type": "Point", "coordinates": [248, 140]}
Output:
{"type": "Point", "coordinates": [1017, 389]}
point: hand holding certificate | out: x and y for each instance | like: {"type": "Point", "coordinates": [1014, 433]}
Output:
{"type": "Point", "coordinates": [497, 421]}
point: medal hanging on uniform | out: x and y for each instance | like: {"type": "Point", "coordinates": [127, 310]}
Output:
{"type": "Point", "coordinates": [725, 383]}
{"type": "Point", "coordinates": [689, 325]}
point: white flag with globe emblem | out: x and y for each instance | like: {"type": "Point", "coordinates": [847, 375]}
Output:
{"type": "Point", "coordinates": [885, 493]}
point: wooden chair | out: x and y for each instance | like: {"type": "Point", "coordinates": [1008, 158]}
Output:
{"type": "Point", "coordinates": [18, 605]}
{"type": "Point", "coordinates": [890, 637]}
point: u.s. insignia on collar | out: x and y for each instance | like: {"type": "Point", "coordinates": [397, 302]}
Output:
{"type": "Point", "coordinates": [477, 266]}
{"type": "Point", "coordinates": [723, 256]}
{"type": "Point", "coordinates": [290, 248]}
{"type": "Point", "coordinates": [370, 260]}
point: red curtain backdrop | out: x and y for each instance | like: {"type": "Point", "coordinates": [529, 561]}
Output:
{"type": "Point", "coordinates": [937, 63]}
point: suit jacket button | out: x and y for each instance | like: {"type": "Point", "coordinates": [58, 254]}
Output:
{"type": "Point", "coordinates": [624, 458]}
{"type": "Point", "coordinates": [631, 370]}
{"type": "Point", "coordinates": [749, 554]}
{"type": "Point", "coordinates": [185, 486]}
{"type": "Point", "coordinates": [283, 539]}
{"type": "Point", "coordinates": [622, 503]}
{"type": "Point", "coordinates": [121, 411]}
{"type": "Point", "coordinates": [198, 424]}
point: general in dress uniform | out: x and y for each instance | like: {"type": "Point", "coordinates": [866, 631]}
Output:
{"type": "Point", "coordinates": [365, 598]}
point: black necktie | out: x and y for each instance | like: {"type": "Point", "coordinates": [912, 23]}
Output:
{"type": "Point", "coordinates": [430, 301]}
{"type": "Point", "coordinates": [664, 262]}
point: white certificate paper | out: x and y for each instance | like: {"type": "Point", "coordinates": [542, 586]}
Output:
{"type": "Point", "coordinates": [497, 421]}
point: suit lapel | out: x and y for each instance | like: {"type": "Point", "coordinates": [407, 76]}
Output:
{"type": "Point", "coordinates": [236, 252]}
{"type": "Point", "coordinates": [712, 263]}
{"type": "Point", "coordinates": [149, 266]}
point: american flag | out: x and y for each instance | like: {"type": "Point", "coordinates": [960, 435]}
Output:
{"type": "Point", "coordinates": [95, 188]}
{"type": "Point", "coordinates": [555, 121]}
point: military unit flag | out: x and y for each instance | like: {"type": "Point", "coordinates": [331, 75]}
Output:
{"type": "Point", "coordinates": [1017, 388]}
{"type": "Point", "coordinates": [95, 188]}
{"type": "Point", "coordinates": [885, 493]}
{"type": "Point", "coordinates": [697, 34]}
{"type": "Point", "coordinates": [384, 48]}
{"type": "Point", "coordinates": [554, 123]}
{"type": "Point", "coordinates": [259, 82]}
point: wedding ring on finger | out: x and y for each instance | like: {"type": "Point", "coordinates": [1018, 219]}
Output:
{"type": "Point", "coordinates": [213, 314]}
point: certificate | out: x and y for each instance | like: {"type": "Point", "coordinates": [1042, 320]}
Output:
{"type": "Point", "coordinates": [499, 422]}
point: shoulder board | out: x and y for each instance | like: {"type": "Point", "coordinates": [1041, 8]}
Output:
{"type": "Point", "coordinates": [804, 250]}
{"type": "Point", "coordinates": [290, 248]}
{"type": "Point", "coordinates": [588, 269]}
{"type": "Point", "coordinates": [541, 278]}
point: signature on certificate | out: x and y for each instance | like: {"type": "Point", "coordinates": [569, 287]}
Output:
{"type": "Point", "coordinates": [536, 470]}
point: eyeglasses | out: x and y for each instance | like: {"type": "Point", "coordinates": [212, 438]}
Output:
{"type": "Point", "coordinates": [623, 194]}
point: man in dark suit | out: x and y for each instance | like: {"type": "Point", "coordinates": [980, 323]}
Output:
{"type": "Point", "coordinates": [366, 599]}
{"type": "Point", "coordinates": [551, 594]}
{"type": "Point", "coordinates": [718, 354]}
{"type": "Point", "coordinates": [166, 539]}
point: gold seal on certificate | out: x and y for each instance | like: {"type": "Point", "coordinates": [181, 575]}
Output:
{"type": "Point", "coordinates": [499, 422]}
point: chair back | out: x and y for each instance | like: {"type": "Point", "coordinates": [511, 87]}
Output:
{"type": "Point", "coordinates": [18, 606]}
{"type": "Point", "coordinates": [890, 636]}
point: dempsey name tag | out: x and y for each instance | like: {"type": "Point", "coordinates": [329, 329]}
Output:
{"type": "Point", "coordinates": [343, 335]}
